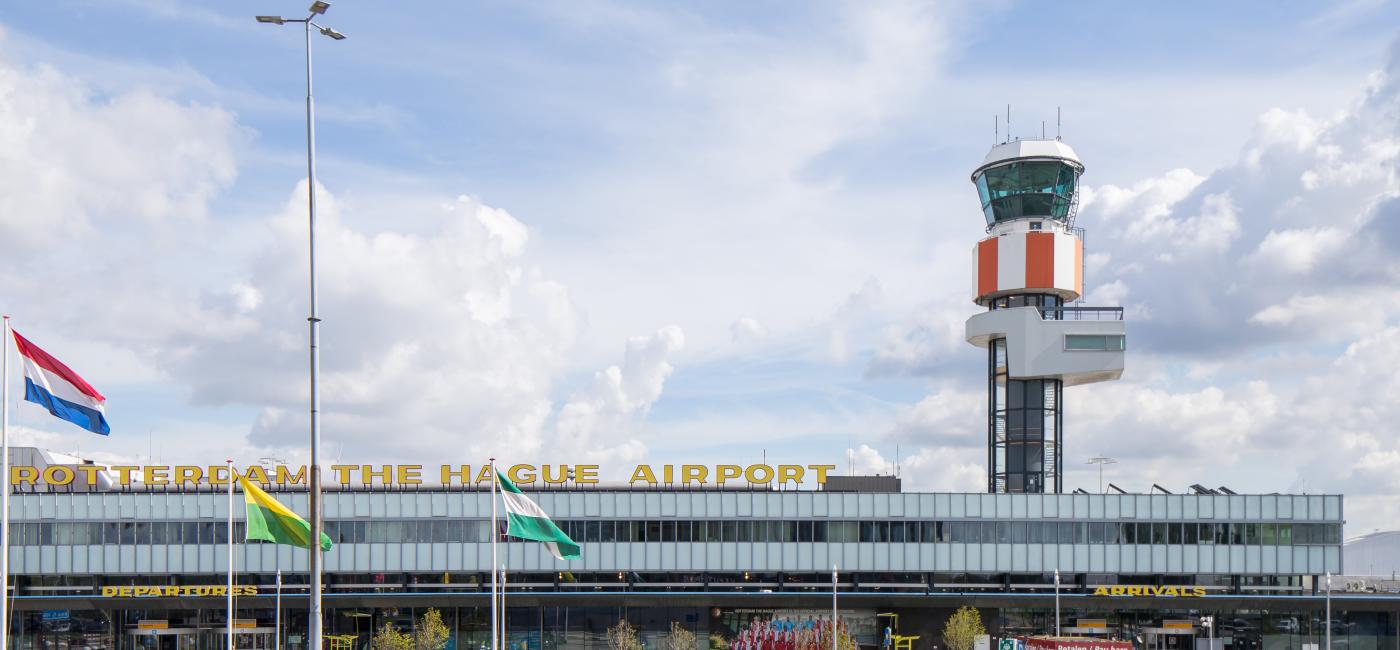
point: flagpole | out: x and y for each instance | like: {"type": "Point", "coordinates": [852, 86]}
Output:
{"type": "Point", "coordinates": [505, 643]}
{"type": "Point", "coordinates": [229, 595]}
{"type": "Point", "coordinates": [5, 492]}
{"type": "Point", "coordinates": [495, 613]}
{"type": "Point", "coordinates": [833, 607]}
{"type": "Point", "coordinates": [277, 620]}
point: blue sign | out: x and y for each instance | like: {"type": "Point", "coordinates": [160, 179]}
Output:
{"type": "Point", "coordinates": [55, 615]}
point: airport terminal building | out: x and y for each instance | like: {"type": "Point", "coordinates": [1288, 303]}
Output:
{"type": "Point", "coordinates": [144, 566]}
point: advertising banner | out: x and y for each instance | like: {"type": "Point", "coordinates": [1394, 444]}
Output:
{"type": "Point", "coordinates": [1075, 643]}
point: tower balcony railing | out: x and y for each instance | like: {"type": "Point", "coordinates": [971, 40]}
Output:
{"type": "Point", "coordinates": [1081, 313]}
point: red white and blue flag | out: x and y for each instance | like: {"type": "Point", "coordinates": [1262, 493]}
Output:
{"type": "Point", "coordinates": [54, 386]}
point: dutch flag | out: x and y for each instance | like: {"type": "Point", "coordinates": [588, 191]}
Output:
{"type": "Point", "coordinates": [54, 386]}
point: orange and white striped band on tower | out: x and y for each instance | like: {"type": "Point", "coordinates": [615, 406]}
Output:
{"type": "Point", "coordinates": [1028, 262]}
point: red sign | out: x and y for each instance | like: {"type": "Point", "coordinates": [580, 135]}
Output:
{"type": "Point", "coordinates": [1075, 643]}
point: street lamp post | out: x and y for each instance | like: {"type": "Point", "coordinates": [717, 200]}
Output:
{"type": "Point", "coordinates": [834, 569]}
{"type": "Point", "coordinates": [313, 637]}
{"type": "Point", "coordinates": [1057, 602]}
{"type": "Point", "coordinates": [1328, 624]}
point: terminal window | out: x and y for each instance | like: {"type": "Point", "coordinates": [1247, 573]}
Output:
{"type": "Point", "coordinates": [407, 531]}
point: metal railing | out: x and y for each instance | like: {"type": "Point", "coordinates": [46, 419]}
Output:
{"type": "Point", "coordinates": [1081, 313]}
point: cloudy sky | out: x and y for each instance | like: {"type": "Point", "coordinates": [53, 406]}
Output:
{"type": "Point", "coordinates": [618, 232]}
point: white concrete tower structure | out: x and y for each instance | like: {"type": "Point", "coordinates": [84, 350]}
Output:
{"type": "Point", "coordinates": [1027, 272]}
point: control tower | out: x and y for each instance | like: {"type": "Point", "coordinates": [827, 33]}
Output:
{"type": "Point", "coordinates": [1028, 272]}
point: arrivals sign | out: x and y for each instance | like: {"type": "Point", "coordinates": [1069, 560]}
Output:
{"type": "Point", "coordinates": [152, 591]}
{"type": "Point", "coordinates": [1169, 591]}
{"type": "Point", "coordinates": [448, 475]}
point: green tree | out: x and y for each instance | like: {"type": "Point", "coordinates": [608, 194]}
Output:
{"type": "Point", "coordinates": [808, 639]}
{"type": "Point", "coordinates": [963, 628]}
{"type": "Point", "coordinates": [678, 639]}
{"type": "Point", "coordinates": [390, 638]}
{"type": "Point", "coordinates": [623, 637]}
{"type": "Point", "coordinates": [844, 640]}
{"type": "Point", "coordinates": [431, 633]}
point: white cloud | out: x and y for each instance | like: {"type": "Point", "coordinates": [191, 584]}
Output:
{"type": "Point", "coordinates": [850, 314]}
{"type": "Point", "coordinates": [930, 342]}
{"type": "Point", "coordinates": [1148, 199]}
{"type": "Point", "coordinates": [1278, 127]}
{"type": "Point", "coordinates": [949, 417]}
{"type": "Point", "coordinates": [599, 421]}
{"type": "Point", "coordinates": [1210, 231]}
{"type": "Point", "coordinates": [928, 470]}
{"type": "Point", "coordinates": [747, 330]}
{"type": "Point", "coordinates": [733, 147]}
{"type": "Point", "coordinates": [73, 165]}
{"type": "Point", "coordinates": [1110, 293]}
{"type": "Point", "coordinates": [1297, 251]}
{"type": "Point", "coordinates": [1267, 249]}
{"type": "Point", "coordinates": [441, 339]}
{"type": "Point", "coordinates": [450, 336]}
{"type": "Point", "coordinates": [868, 462]}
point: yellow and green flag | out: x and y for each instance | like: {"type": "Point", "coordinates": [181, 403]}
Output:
{"type": "Point", "coordinates": [270, 521]}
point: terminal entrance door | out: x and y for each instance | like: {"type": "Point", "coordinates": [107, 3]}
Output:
{"type": "Point", "coordinates": [178, 638]}
{"type": "Point", "coordinates": [1169, 637]}
{"type": "Point", "coordinates": [251, 638]}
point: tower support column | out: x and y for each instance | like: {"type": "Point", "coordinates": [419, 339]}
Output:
{"type": "Point", "coordinates": [1024, 421]}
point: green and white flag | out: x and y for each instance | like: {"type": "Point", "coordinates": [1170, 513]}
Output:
{"type": "Point", "coordinates": [527, 521]}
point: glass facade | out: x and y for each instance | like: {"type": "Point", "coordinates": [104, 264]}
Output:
{"type": "Point", "coordinates": [1096, 342]}
{"type": "Point", "coordinates": [727, 531]}
{"type": "Point", "coordinates": [904, 531]}
{"type": "Point", "coordinates": [1050, 305]}
{"type": "Point", "coordinates": [718, 562]}
{"type": "Point", "coordinates": [1023, 429]}
{"type": "Point", "coordinates": [1027, 189]}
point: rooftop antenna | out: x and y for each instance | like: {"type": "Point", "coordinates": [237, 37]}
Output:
{"type": "Point", "coordinates": [1101, 461]}
{"type": "Point", "coordinates": [1042, 129]}
{"type": "Point", "coordinates": [996, 129]}
{"type": "Point", "coordinates": [1008, 122]}
{"type": "Point", "coordinates": [1057, 122]}
{"type": "Point", "coordinates": [896, 460]}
